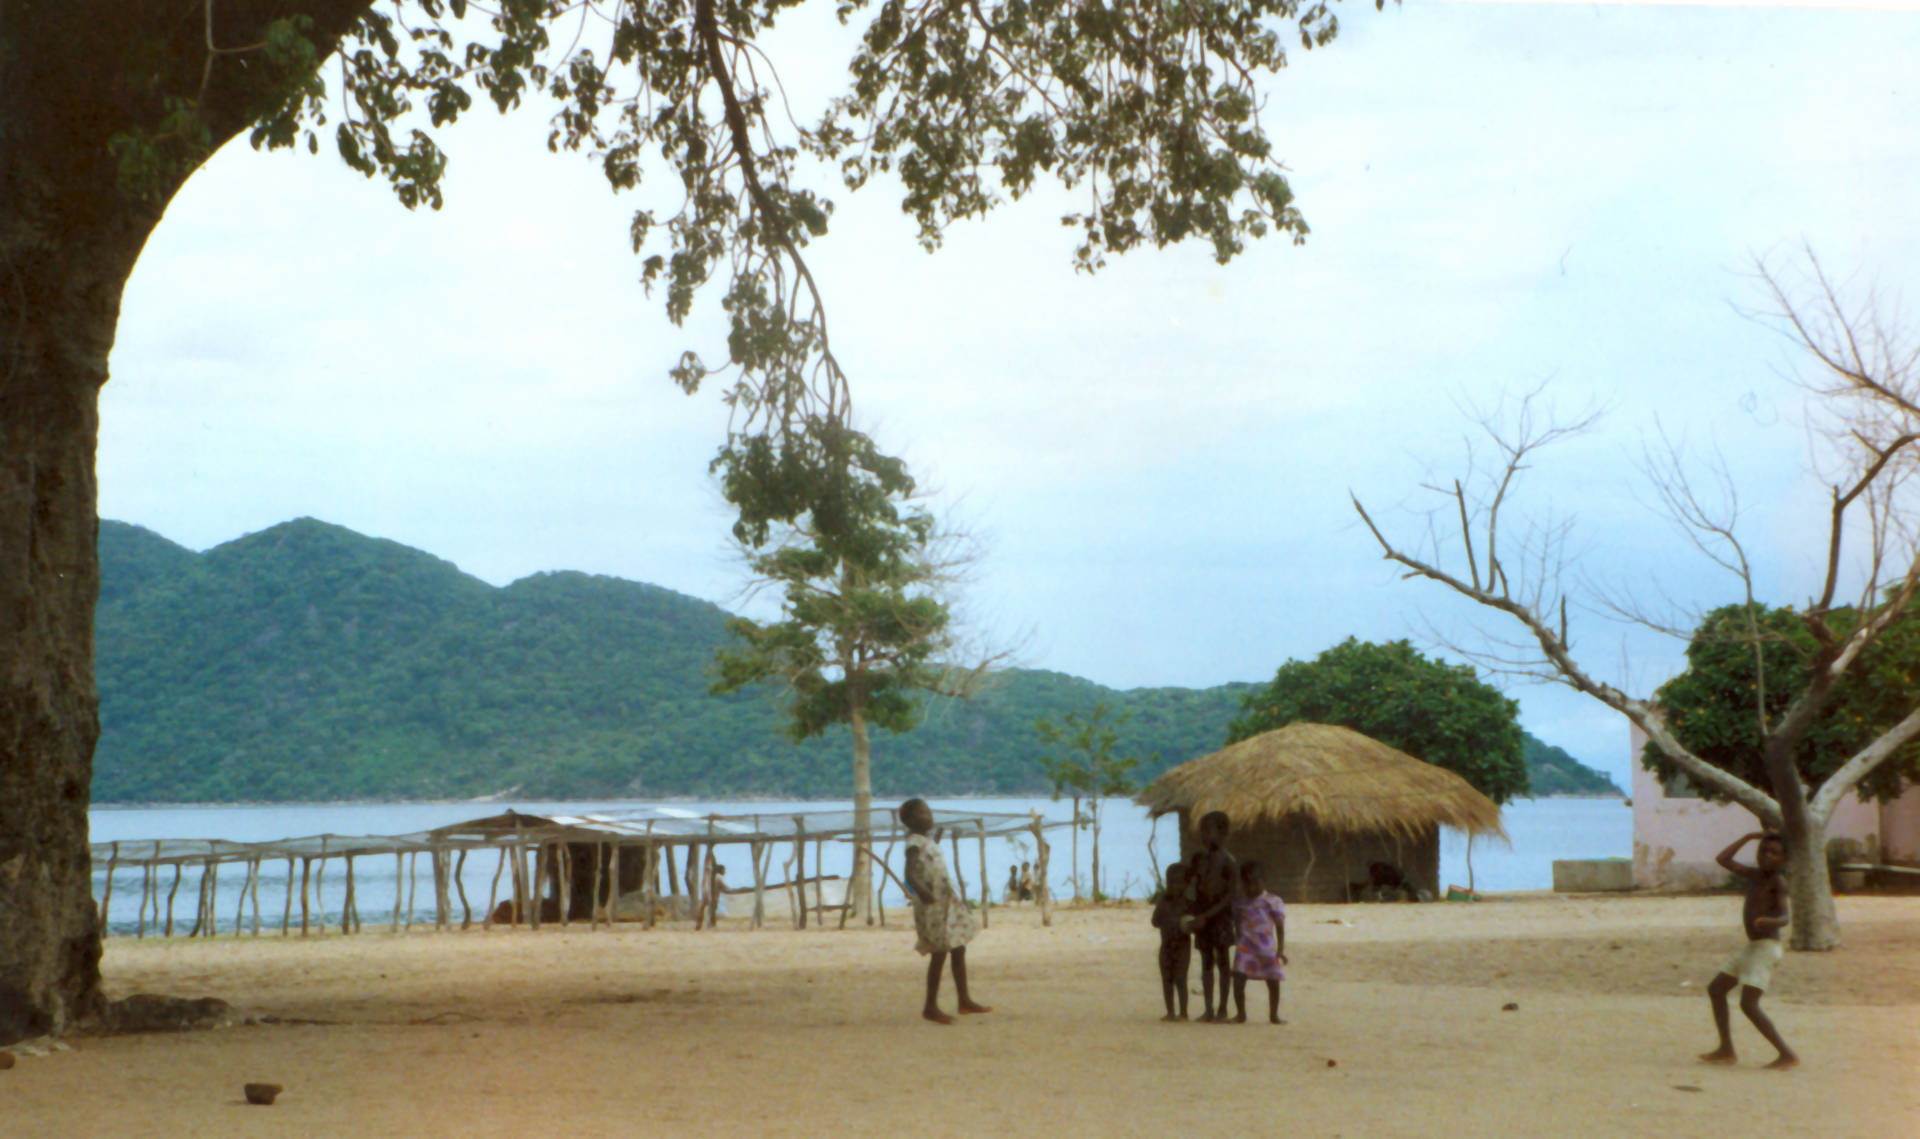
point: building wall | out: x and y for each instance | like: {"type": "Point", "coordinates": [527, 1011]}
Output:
{"type": "Point", "coordinates": [1675, 838]}
{"type": "Point", "coordinates": [1303, 863]}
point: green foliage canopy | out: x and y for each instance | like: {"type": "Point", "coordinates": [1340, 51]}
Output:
{"type": "Point", "coordinates": [1431, 710]}
{"type": "Point", "coordinates": [1080, 759]}
{"type": "Point", "coordinates": [1745, 663]}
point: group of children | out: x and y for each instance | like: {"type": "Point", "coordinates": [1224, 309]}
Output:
{"type": "Point", "coordinates": [1214, 904]}
{"type": "Point", "coordinates": [1019, 884]}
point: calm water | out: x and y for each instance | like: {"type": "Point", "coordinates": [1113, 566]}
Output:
{"type": "Point", "coordinates": [1543, 830]}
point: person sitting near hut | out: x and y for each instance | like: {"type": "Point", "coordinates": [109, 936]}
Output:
{"type": "Point", "coordinates": [942, 923]}
{"type": "Point", "coordinates": [1751, 966]}
{"type": "Point", "coordinates": [1261, 949]}
{"type": "Point", "coordinates": [1216, 884]}
{"type": "Point", "coordinates": [1027, 893]}
{"type": "Point", "coordinates": [1013, 885]}
{"type": "Point", "coordinates": [1176, 944]}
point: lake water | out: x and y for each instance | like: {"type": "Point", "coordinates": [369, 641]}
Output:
{"type": "Point", "coordinates": [1543, 830]}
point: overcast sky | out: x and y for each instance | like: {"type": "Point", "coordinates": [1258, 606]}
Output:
{"type": "Point", "coordinates": [1158, 458]}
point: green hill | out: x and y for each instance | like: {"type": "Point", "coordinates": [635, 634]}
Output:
{"type": "Point", "coordinates": [307, 662]}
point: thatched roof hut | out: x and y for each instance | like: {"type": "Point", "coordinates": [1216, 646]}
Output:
{"type": "Point", "coordinates": [1318, 804]}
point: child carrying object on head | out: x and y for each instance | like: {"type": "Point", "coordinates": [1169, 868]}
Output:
{"type": "Point", "coordinates": [941, 921]}
{"type": "Point", "coordinates": [1261, 949]}
{"type": "Point", "coordinates": [1176, 944]}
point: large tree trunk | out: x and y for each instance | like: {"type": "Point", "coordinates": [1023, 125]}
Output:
{"type": "Point", "coordinates": [1809, 889]}
{"type": "Point", "coordinates": [73, 76]}
{"type": "Point", "coordinates": [859, 888]}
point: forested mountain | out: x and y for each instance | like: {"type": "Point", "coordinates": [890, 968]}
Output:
{"type": "Point", "coordinates": [308, 662]}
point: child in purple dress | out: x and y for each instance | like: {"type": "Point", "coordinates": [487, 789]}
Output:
{"type": "Point", "coordinates": [1260, 951]}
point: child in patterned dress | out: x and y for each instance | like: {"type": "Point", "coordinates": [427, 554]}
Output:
{"type": "Point", "coordinates": [1260, 952]}
{"type": "Point", "coordinates": [942, 923]}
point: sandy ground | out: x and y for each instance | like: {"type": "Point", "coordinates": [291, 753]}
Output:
{"type": "Point", "coordinates": [1397, 1030]}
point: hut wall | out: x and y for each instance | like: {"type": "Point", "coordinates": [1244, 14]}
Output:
{"type": "Point", "coordinates": [1304, 863]}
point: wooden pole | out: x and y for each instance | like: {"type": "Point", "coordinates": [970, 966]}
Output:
{"type": "Point", "coordinates": [800, 866]}
{"type": "Point", "coordinates": [106, 897]}
{"type": "Point", "coordinates": [563, 854]}
{"type": "Point", "coordinates": [286, 914]}
{"type": "Point", "coordinates": [178, 869]}
{"type": "Point", "coordinates": [519, 880]}
{"type": "Point", "coordinates": [1040, 860]}
{"type": "Point", "coordinates": [986, 886]}
{"type": "Point", "coordinates": [673, 882]}
{"type": "Point", "coordinates": [493, 891]}
{"type": "Point", "coordinates": [696, 900]}
{"type": "Point", "coordinates": [460, 884]}
{"type": "Point", "coordinates": [886, 864]}
{"type": "Point", "coordinates": [146, 887]}
{"type": "Point", "coordinates": [820, 886]}
{"type": "Point", "coordinates": [960, 878]}
{"type": "Point", "coordinates": [240, 909]}
{"type": "Point", "coordinates": [256, 897]}
{"type": "Point", "coordinates": [413, 888]}
{"type": "Point", "coordinates": [758, 848]}
{"type": "Point", "coordinates": [306, 869]}
{"type": "Point", "coordinates": [593, 909]}
{"type": "Point", "coordinates": [542, 862]}
{"type": "Point", "coordinates": [399, 874]}
{"type": "Point", "coordinates": [320, 888]}
{"type": "Point", "coordinates": [346, 904]}
{"type": "Point", "coordinates": [650, 878]}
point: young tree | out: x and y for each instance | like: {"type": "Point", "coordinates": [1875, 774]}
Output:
{"type": "Point", "coordinates": [110, 106]}
{"type": "Point", "coordinates": [1441, 713]}
{"type": "Point", "coordinates": [1864, 378]}
{"type": "Point", "coordinates": [1082, 765]}
{"type": "Point", "coordinates": [864, 627]}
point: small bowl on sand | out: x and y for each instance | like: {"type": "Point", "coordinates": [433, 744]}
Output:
{"type": "Point", "coordinates": [262, 1094]}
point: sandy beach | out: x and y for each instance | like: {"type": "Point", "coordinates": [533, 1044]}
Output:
{"type": "Point", "coordinates": [1397, 1029]}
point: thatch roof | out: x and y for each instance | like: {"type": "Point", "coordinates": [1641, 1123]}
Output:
{"type": "Point", "coordinates": [1335, 777]}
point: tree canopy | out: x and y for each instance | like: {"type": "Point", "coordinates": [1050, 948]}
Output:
{"type": "Point", "coordinates": [1746, 664]}
{"type": "Point", "coordinates": [1441, 713]}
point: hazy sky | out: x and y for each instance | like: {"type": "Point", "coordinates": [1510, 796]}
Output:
{"type": "Point", "coordinates": [1159, 457]}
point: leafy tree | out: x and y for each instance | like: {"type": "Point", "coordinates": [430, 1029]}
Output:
{"type": "Point", "coordinates": [1863, 374]}
{"type": "Point", "coordinates": [1441, 713]}
{"type": "Point", "coordinates": [1082, 764]}
{"type": "Point", "coordinates": [863, 630]}
{"type": "Point", "coordinates": [1745, 665]}
{"type": "Point", "coordinates": [1152, 109]}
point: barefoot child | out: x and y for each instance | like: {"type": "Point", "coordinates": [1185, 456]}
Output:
{"type": "Point", "coordinates": [1216, 882]}
{"type": "Point", "coordinates": [1751, 967]}
{"type": "Point", "coordinates": [1176, 945]}
{"type": "Point", "coordinates": [940, 916]}
{"type": "Point", "coordinates": [1261, 950]}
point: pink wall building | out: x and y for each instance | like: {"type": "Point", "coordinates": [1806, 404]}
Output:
{"type": "Point", "coordinates": [1676, 836]}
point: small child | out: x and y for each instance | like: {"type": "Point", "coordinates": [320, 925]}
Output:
{"type": "Point", "coordinates": [941, 920]}
{"type": "Point", "coordinates": [1751, 966]}
{"type": "Point", "coordinates": [1176, 944]}
{"type": "Point", "coordinates": [1261, 950]}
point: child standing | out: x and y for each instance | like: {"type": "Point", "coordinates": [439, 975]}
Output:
{"type": "Point", "coordinates": [1751, 966]}
{"type": "Point", "coordinates": [1261, 950]}
{"type": "Point", "coordinates": [1176, 944]}
{"type": "Point", "coordinates": [1216, 885]}
{"type": "Point", "coordinates": [942, 923]}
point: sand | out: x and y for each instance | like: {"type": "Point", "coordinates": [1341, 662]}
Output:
{"type": "Point", "coordinates": [1397, 1030]}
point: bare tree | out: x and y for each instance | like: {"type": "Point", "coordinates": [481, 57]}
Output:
{"type": "Point", "coordinates": [1865, 388]}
